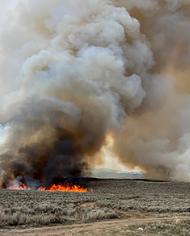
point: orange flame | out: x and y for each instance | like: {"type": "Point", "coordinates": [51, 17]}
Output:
{"type": "Point", "coordinates": [53, 188]}
{"type": "Point", "coordinates": [69, 188]}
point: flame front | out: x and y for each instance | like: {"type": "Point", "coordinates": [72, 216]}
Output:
{"type": "Point", "coordinates": [53, 188]}
{"type": "Point", "coordinates": [72, 188]}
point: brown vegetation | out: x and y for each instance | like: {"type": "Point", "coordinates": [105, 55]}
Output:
{"type": "Point", "coordinates": [116, 199]}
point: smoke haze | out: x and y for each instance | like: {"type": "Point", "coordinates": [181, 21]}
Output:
{"type": "Point", "coordinates": [74, 72]}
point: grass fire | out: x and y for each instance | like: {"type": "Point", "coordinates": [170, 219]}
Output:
{"type": "Point", "coordinates": [60, 184]}
{"type": "Point", "coordinates": [94, 93]}
{"type": "Point", "coordinates": [53, 188]}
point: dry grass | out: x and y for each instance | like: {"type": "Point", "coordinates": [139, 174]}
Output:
{"type": "Point", "coordinates": [162, 228]}
{"type": "Point", "coordinates": [107, 199]}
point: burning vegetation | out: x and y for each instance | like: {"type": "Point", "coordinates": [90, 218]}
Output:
{"type": "Point", "coordinates": [53, 188]}
{"type": "Point", "coordinates": [61, 185]}
{"type": "Point", "coordinates": [129, 200]}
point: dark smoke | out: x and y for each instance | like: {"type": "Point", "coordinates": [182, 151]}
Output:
{"type": "Point", "coordinates": [71, 75]}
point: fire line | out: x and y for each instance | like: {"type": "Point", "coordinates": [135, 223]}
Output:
{"type": "Point", "coordinates": [53, 188]}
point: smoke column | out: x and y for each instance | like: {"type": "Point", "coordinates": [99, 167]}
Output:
{"type": "Point", "coordinates": [75, 71]}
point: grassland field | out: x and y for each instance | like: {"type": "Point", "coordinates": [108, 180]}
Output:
{"type": "Point", "coordinates": [110, 207]}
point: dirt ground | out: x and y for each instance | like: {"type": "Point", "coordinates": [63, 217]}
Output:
{"type": "Point", "coordinates": [111, 207]}
{"type": "Point", "coordinates": [113, 227]}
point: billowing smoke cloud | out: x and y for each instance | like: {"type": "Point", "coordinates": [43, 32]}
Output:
{"type": "Point", "coordinates": [73, 71]}
{"type": "Point", "coordinates": [157, 138]}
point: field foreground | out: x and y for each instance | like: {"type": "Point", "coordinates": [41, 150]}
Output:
{"type": "Point", "coordinates": [111, 207]}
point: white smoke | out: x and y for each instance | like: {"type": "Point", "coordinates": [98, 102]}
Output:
{"type": "Point", "coordinates": [157, 138]}
{"type": "Point", "coordinates": [79, 69]}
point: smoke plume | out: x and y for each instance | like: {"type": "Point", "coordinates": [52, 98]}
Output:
{"type": "Point", "coordinates": [75, 71]}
